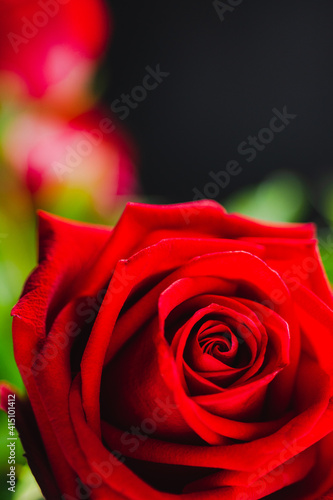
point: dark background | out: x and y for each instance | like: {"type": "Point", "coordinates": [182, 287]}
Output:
{"type": "Point", "coordinates": [225, 78]}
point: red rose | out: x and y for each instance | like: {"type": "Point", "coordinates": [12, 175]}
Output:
{"type": "Point", "coordinates": [185, 352]}
{"type": "Point", "coordinates": [47, 42]}
{"type": "Point", "coordinates": [56, 157]}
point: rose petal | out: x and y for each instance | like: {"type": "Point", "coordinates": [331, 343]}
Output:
{"type": "Point", "coordinates": [298, 262]}
{"type": "Point", "coordinates": [30, 437]}
{"type": "Point", "coordinates": [263, 482]}
{"type": "Point", "coordinates": [48, 372]}
{"type": "Point", "coordinates": [315, 316]}
{"type": "Point", "coordinates": [66, 251]}
{"type": "Point", "coordinates": [119, 481]}
{"type": "Point", "coordinates": [301, 432]}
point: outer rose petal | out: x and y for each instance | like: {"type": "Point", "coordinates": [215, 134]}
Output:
{"type": "Point", "coordinates": [64, 247]}
{"type": "Point", "coordinates": [299, 263]}
{"type": "Point", "coordinates": [143, 225]}
{"type": "Point", "coordinates": [315, 316]}
{"type": "Point", "coordinates": [25, 341]}
{"type": "Point", "coordinates": [320, 479]}
{"type": "Point", "coordinates": [31, 440]}
{"type": "Point", "coordinates": [67, 250]}
{"type": "Point", "coordinates": [122, 482]}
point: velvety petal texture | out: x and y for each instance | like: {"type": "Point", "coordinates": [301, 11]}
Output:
{"type": "Point", "coordinates": [186, 352]}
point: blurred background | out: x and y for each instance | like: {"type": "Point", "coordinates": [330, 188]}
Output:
{"type": "Point", "coordinates": [102, 102]}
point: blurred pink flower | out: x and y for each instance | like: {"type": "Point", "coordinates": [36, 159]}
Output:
{"type": "Point", "coordinates": [51, 46]}
{"type": "Point", "coordinates": [87, 155]}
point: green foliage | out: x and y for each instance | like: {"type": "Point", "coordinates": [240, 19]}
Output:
{"type": "Point", "coordinates": [280, 198]}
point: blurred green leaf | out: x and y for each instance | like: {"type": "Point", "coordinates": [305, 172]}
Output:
{"type": "Point", "coordinates": [326, 251]}
{"type": "Point", "coordinates": [27, 487]}
{"type": "Point", "coordinates": [281, 198]}
{"type": "Point", "coordinates": [326, 202]}
{"type": "Point", "coordinates": [74, 203]}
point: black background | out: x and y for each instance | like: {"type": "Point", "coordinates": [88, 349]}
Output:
{"type": "Point", "coordinates": [225, 78]}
